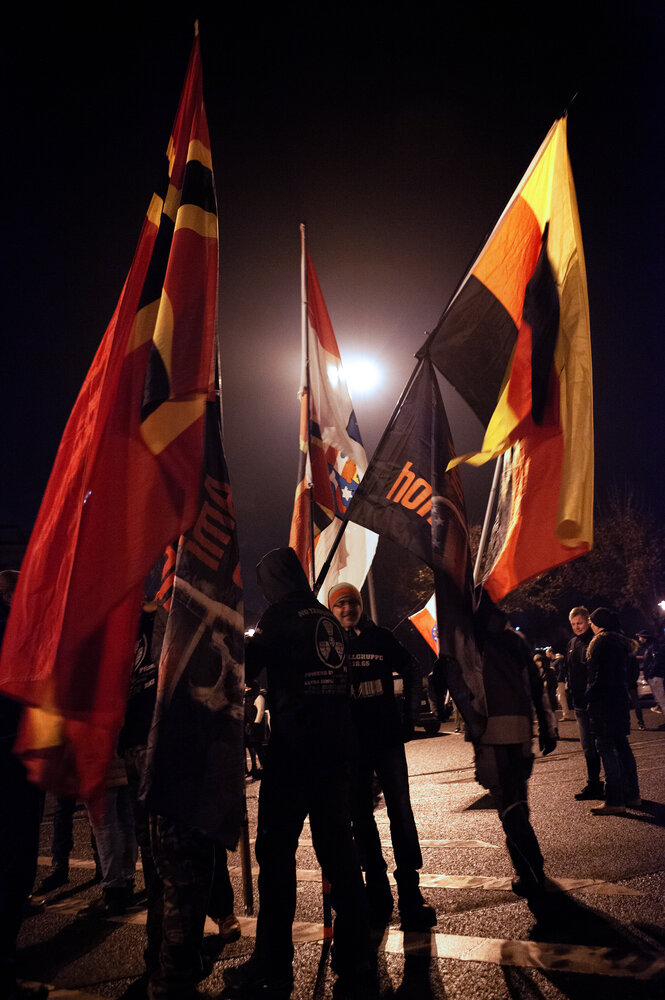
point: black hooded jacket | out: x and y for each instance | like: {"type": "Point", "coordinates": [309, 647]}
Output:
{"type": "Point", "coordinates": [607, 698]}
{"type": "Point", "coordinates": [303, 650]}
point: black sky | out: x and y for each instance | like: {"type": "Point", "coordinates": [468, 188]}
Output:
{"type": "Point", "coordinates": [397, 137]}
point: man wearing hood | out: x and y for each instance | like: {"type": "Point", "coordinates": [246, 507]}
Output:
{"type": "Point", "coordinates": [379, 736]}
{"type": "Point", "coordinates": [608, 706]}
{"type": "Point", "coordinates": [503, 755]}
{"type": "Point", "coordinates": [302, 648]}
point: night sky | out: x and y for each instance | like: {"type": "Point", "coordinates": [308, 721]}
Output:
{"type": "Point", "coordinates": [398, 138]}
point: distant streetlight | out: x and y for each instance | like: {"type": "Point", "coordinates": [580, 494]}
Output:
{"type": "Point", "coordinates": [661, 605]}
{"type": "Point", "coordinates": [363, 375]}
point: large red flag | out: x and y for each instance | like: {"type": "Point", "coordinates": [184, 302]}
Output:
{"type": "Point", "coordinates": [126, 479]}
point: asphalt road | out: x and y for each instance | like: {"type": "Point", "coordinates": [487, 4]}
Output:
{"type": "Point", "coordinates": [608, 943]}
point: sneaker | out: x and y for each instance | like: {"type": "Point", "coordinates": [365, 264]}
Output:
{"type": "Point", "coordinates": [22, 990]}
{"type": "Point", "coordinates": [56, 878]}
{"type": "Point", "coordinates": [111, 904]}
{"type": "Point", "coordinates": [360, 985]}
{"type": "Point", "coordinates": [229, 929]}
{"type": "Point", "coordinates": [250, 980]}
{"type": "Point", "coordinates": [641, 726]}
{"type": "Point", "coordinates": [528, 888]}
{"type": "Point", "coordinates": [606, 810]}
{"type": "Point", "coordinates": [417, 918]}
{"type": "Point", "coordinates": [591, 791]}
{"type": "Point", "coordinates": [33, 905]}
{"type": "Point", "coordinates": [656, 709]}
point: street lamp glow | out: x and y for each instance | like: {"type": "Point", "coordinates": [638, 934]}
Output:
{"type": "Point", "coordinates": [661, 605]}
{"type": "Point", "coordinates": [363, 376]}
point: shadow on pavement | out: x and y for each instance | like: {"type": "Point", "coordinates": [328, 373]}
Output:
{"type": "Point", "coordinates": [47, 959]}
{"type": "Point", "coordinates": [421, 979]}
{"type": "Point", "coordinates": [655, 813]}
{"type": "Point", "coordinates": [566, 921]}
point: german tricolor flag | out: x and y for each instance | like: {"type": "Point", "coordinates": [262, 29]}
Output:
{"type": "Point", "coordinates": [126, 480]}
{"type": "Point", "coordinates": [515, 344]}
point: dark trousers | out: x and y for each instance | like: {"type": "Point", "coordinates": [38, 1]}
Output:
{"type": "Point", "coordinates": [19, 847]}
{"type": "Point", "coordinates": [635, 702]}
{"type": "Point", "coordinates": [135, 758]}
{"type": "Point", "coordinates": [389, 764]}
{"type": "Point", "coordinates": [63, 826]}
{"type": "Point", "coordinates": [184, 860]}
{"type": "Point", "coordinates": [505, 771]}
{"type": "Point", "coordinates": [288, 795]}
{"type": "Point", "coordinates": [220, 904]}
{"type": "Point", "coordinates": [591, 755]}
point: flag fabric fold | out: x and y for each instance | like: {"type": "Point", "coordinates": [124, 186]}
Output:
{"type": "Point", "coordinates": [407, 495]}
{"type": "Point", "coordinates": [425, 622]}
{"type": "Point", "coordinates": [332, 457]}
{"type": "Point", "coordinates": [126, 480]}
{"type": "Point", "coordinates": [195, 768]}
{"type": "Point", "coordinates": [515, 343]}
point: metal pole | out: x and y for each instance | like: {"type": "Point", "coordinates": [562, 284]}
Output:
{"type": "Point", "coordinates": [245, 855]}
{"type": "Point", "coordinates": [304, 329]}
{"type": "Point", "coordinates": [371, 593]}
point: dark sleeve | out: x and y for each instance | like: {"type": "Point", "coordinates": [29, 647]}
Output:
{"type": "Point", "coordinates": [264, 645]}
{"type": "Point", "coordinates": [593, 676]}
{"type": "Point", "coordinates": [406, 665]}
{"type": "Point", "coordinates": [539, 697]}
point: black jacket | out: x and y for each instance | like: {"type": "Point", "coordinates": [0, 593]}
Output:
{"type": "Point", "coordinates": [607, 698]}
{"type": "Point", "coordinates": [302, 648]}
{"type": "Point", "coordinates": [514, 690]}
{"type": "Point", "coordinates": [374, 655]}
{"type": "Point", "coordinates": [576, 668]}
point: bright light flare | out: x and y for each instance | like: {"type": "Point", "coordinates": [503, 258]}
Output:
{"type": "Point", "coordinates": [363, 376]}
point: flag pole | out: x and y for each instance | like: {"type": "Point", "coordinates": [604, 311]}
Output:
{"type": "Point", "coordinates": [304, 330]}
{"type": "Point", "coordinates": [323, 572]}
{"type": "Point", "coordinates": [486, 523]}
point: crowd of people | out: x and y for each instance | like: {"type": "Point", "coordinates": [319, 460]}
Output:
{"type": "Point", "coordinates": [324, 673]}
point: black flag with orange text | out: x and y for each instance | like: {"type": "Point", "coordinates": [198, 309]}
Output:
{"type": "Point", "coordinates": [407, 495]}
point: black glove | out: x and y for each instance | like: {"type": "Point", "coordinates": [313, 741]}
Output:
{"type": "Point", "coordinates": [546, 743]}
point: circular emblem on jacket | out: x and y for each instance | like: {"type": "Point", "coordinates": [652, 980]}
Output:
{"type": "Point", "coordinates": [330, 642]}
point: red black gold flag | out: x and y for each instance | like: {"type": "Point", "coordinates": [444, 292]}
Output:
{"type": "Point", "coordinates": [515, 343]}
{"type": "Point", "coordinates": [126, 479]}
{"type": "Point", "coordinates": [407, 495]}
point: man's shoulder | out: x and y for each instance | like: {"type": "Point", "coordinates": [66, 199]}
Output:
{"type": "Point", "coordinates": [373, 634]}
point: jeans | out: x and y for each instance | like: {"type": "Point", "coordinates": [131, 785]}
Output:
{"type": "Point", "coordinates": [505, 771]}
{"type": "Point", "coordinates": [116, 841]}
{"type": "Point", "coordinates": [390, 765]}
{"type": "Point", "coordinates": [621, 785]}
{"type": "Point", "coordinates": [657, 685]}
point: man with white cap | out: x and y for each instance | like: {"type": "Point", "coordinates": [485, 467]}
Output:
{"type": "Point", "coordinates": [379, 736]}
